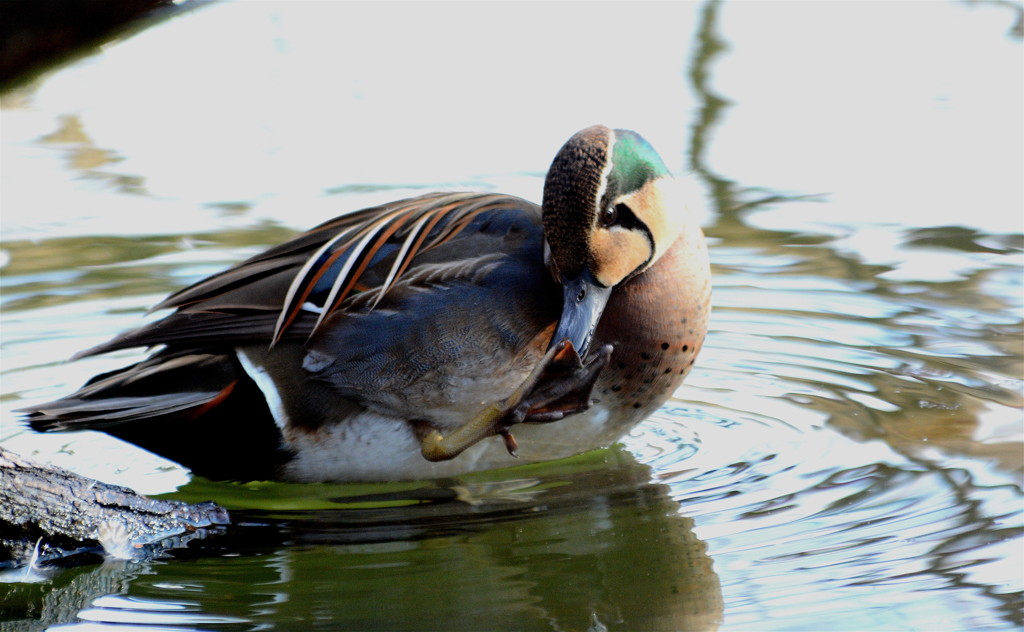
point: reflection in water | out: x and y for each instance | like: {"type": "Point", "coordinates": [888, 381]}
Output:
{"type": "Point", "coordinates": [929, 370]}
{"type": "Point", "coordinates": [728, 197]}
{"type": "Point", "coordinates": [84, 155]}
{"type": "Point", "coordinates": [848, 450]}
{"type": "Point", "coordinates": [853, 532]}
{"type": "Point", "coordinates": [32, 606]}
{"type": "Point", "coordinates": [567, 545]}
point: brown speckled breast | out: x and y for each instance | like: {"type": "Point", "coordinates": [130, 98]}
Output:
{"type": "Point", "coordinates": [657, 322]}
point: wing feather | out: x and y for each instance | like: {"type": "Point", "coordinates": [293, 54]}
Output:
{"type": "Point", "coordinates": [291, 290]}
{"type": "Point", "coordinates": [293, 305]}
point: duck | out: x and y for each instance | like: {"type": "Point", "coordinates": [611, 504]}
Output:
{"type": "Point", "coordinates": [425, 338]}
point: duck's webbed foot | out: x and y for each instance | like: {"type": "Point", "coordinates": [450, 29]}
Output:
{"type": "Point", "coordinates": [563, 386]}
{"type": "Point", "coordinates": [559, 385]}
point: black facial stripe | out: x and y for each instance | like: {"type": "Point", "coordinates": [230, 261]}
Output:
{"type": "Point", "coordinates": [641, 227]}
{"type": "Point", "coordinates": [626, 218]}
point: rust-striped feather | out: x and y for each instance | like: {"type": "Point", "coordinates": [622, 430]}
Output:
{"type": "Point", "coordinates": [350, 262]}
{"type": "Point", "coordinates": [413, 226]}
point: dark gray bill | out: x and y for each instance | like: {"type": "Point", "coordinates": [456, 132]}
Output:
{"type": "Point", "coordinates": [583, 302]}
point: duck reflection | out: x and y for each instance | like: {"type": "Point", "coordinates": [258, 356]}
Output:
{"type": "Point", "coordinates": [585, 544]}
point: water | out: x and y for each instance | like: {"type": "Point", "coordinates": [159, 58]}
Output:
{"type": "Point", "coordinates": [847, 454]}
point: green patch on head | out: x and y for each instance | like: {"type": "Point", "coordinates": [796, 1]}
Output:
{"type": "Point", "coordinates": [634, 162]}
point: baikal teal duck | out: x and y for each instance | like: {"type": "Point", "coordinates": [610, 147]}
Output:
{"type": "Point", "coordinates": [428, 337]}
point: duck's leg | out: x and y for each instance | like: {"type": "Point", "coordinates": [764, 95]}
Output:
{"type": "Point", "coordinates": [560, 385]}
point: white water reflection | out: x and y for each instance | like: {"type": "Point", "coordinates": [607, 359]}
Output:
{"type": "Point", "coordinates": [927, 137]}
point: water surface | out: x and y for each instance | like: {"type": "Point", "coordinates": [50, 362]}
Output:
{"type": "Point", "coordinates": [846, 455]}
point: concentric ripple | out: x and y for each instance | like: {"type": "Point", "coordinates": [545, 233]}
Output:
{"type": "Point", "coordinates": [823, 450]}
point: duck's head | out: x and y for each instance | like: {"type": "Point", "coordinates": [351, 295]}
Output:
{"type": "Point", "coordinates": [610, 211]}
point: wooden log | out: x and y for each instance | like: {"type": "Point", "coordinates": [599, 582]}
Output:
{"type": "Point", "coordinates": [52, 513]}
{"type": "Point", "coordinates": [35, 33]}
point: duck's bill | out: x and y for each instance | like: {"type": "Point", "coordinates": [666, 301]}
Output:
{"type": "Point", "coordinates": [583, 302]}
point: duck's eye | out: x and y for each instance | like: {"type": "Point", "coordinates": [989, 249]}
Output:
{"type": "Point", "coordinates": [612, 215]}
{"type": "Point", "coordinates": [609, 214]}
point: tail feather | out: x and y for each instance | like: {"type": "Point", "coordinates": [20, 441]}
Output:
{"type": "Point", "coordinates": [72, 413]}
{"type": "Point", "coordinates": [199, 409]}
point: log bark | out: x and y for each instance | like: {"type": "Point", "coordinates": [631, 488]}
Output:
{"type": "Point", "coordinates": [35, 33]}
{"type": "Point", "coordinates": [52, 513]}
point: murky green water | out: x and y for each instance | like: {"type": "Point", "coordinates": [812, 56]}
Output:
{"type": "Point", "coordinates": [847, 454]}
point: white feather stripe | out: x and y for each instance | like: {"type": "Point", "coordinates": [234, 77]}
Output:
{"type": "Point", "coordinates": [400, 259]}
{"type": "Point", "coordinates": [356, 255]}
{"type": "Point", "coordinates": [267, 386]}
{"type": "Point", "coordinates": [612, 138]}
{"type": "Point", "coordinates": [299, 279]}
